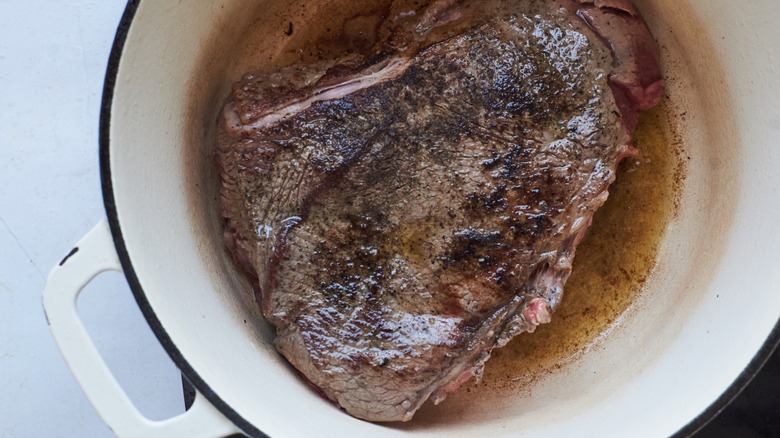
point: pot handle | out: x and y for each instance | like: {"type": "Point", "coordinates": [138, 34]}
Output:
{"type": "Point", "coordinates": [92, 255]}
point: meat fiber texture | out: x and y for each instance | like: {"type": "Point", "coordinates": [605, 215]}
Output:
{"type": "Point", "coordinates": [403, 214]}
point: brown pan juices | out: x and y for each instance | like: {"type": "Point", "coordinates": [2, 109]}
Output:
{"type": "Point", "coordinates": [610, 268]}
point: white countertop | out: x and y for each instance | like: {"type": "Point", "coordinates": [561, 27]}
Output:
{"type": "Point", "coordinates": [53, 56]}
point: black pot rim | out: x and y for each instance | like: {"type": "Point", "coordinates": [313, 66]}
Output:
{"type": "Point", "coordinates": [758, 361]}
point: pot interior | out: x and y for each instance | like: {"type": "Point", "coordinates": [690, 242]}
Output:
{"type": "Point", "coordinates": [644, 369]}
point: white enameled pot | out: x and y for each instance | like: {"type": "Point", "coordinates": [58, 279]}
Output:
{"type": "Point", "coordinates": [704, 323]}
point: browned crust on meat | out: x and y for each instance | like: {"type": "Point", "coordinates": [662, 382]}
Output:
{"type": "Point", "coordinates": [404, 215]}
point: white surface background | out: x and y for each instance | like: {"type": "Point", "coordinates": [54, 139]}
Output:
{"type": "Point", "coordinates": [53, 56]}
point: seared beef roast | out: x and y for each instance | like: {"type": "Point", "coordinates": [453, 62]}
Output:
{"type": "Point", "coordinates": [405, 213]}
